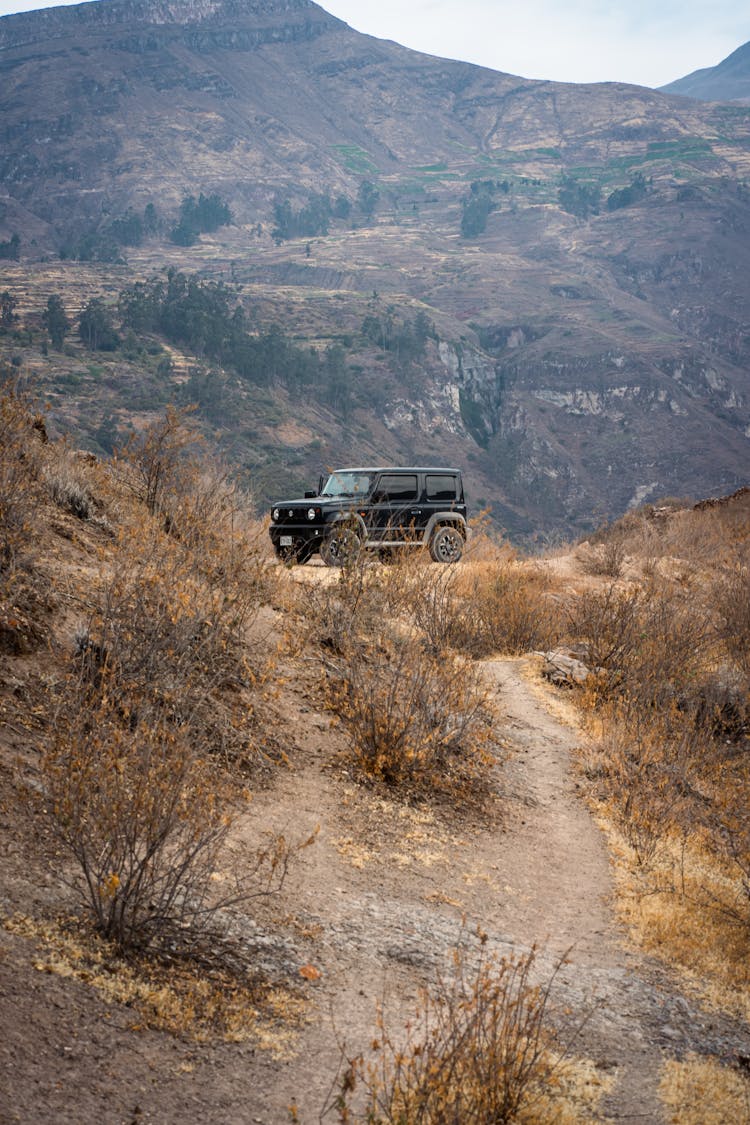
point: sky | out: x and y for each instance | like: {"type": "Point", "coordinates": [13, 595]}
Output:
{"type": "Point", "coordinates": [647, 42]}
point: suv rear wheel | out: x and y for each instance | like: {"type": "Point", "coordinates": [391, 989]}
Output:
{"type": "Point", "coordinates": [446, 544]}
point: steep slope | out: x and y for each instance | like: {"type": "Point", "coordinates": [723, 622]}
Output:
{"type": "Point", "coordinates": [728, 81]}
{"type": "Point", "coordinates": [593, 337]}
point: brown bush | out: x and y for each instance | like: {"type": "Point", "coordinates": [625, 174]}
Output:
{"type": "Point", "coordinates": [415, 721]}
{"type": "Point", "coordinates": [348, 611]}
{"type": "Point", "coordinates": [645, 644]}
{"type": "Point", "coordinates": [480, 1049]}
{"type": "Point", "coordinates": [645, 772]}
{"type": "Point", "coordinates": [730, 600]}
{"type": "Point", "coordinates": [67, 485]}
{"type": "Point", "coordinates": [606, 558]}
{"type": "Point", "coordinates": [24, 595]}
{"type": "Point", "coordinates": [140, 814]}
{"type": "Point", "coordinates": [504, 607]}
{"type": "Point", "coordinates": [145, 817]}
{"type": "Point", "coordinates": [20, 455]}
{"type": "Point", "coordinates": [727, 818]}
{"type": "Point", "coordinates": [158, 455]}
{"type": "Point", "coordinates": [170, 629]}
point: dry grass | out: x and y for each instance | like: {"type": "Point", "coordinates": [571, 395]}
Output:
{"type": "Point", "coordinates": [189, 1001]}
{"type": "Point", "coordinates": [673, 910]}
{"type": "Point", "coordinates": [698, 1091]}
{"type": "Point", "coordinates": [668, 712]}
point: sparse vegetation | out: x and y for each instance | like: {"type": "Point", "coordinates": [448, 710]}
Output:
{"type": "Point", "coordinates": [670, 700]}
{"type": "Point", "coordinates": [417, 722]}
{"type": "Point", "coordinates": [142, 743]}
{"type": "Point", "coordinates": [480, 1049]}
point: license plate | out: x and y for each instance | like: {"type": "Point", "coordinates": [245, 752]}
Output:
{"type": "Point", "coordinates": [285, 541]}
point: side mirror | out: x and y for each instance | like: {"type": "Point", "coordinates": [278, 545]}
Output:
{"type": "Point", "coordinates": [310, 494]}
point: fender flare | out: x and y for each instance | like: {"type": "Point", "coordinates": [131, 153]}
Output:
{"type": "Point", "coordinates": [442, 518]}
{"type": "Point", "coordinates": [347, 517]}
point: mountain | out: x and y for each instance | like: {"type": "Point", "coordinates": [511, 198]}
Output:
{"type": "Point", "coordinates": [579, 255]}
{"type": "Point", "coordinates": [728, 81]}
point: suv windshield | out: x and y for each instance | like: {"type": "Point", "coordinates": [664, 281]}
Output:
{"type": "Point", "coordinates": [348, 484]}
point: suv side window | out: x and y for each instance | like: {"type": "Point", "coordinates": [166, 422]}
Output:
{"type": "Point", "coordinates": [441, 488]}
{"type": "Point", "coordinates": [396, 489]}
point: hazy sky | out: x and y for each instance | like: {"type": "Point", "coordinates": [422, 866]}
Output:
{"type": "Point", "coordinates": [650, 42]}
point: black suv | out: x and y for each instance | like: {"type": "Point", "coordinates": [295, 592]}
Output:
{"type": "Point", "coordinates": [378, 508]}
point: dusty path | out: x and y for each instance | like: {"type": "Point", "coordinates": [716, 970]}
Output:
{"type": "Point", "coordinates": [386, 889]}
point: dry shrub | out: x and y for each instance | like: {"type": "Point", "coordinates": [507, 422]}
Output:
{"type": "Point", "coordinates": [416, 721]}
{"type": "Point", "coordinates": [606, 559]}
{"type": "Point", "coordinates": [68, 486]}
{"type": "Point", "coordinates": [167, 635]}
{"type": "Point", "coordinates": [139, 812]}
{"type": "Point", "coordinates": [647, 645]}
{"type": "Point", "coordinates": [675, 910]}
{"type": "Point", "coordinates": [23, 595]}
{"type": "Point", "coordinates": [730, 600]}
{"type": "Point", "coordinates": [703, 1091]}
{"type": "Point", "coordinates": [436, 610]}
{"type": "Point", "coordinates": [504, 607]}
{"type": "Point", "coordinates": [347, 611]}
{"type": "Point", "coordinates": [143, 810]}
{"type": "Point", "coordinates": [480, 1049]}
{"type": "Point", "coordinates": [479, 607]}
{"type": "Point", "coordinates": [643, 772]}
{"type": "Point", "coordinates": [156, 456]}
{"type": "Point", "coordinates": [20, 456]}
{"type": "Point", "coordinates": [727, 818]}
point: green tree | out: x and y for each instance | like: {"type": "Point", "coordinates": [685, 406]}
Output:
{"type": "Point", "coordinates": [477, 208]}
{"type": "Point", "coordinates": [11, 249]}
{"type": "Point", "coordinates": [55, 320]}
{"type": "Point", "coordinates": [579, 199]}
{"type": "Point", "coordinates": [7, 309]}
{"type": "Point", "coordinates": [198, 216]}
{"type": "Point", "coordinates": [96, 328]}
{"type": "Point", "coordinates": [633, 193]}
{"type": "Point", "coordinates": [368, 197]}
{"type": "Point", "coordinates": [342, 207]}
{"type": "Point", "coordinates": [150, 219]}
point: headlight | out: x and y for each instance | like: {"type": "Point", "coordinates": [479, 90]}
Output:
{"type": "Point", "coordinates": [276, 513]}
{"type": "Point", "coordinates": [311, 513]}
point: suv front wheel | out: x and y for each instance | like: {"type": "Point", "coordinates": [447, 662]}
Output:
{"type": "Point", "coordinates": [446, 544]}
{"type": "Point", "coordinates": [341, 546]}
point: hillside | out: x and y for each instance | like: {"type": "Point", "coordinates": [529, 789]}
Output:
{"type": "Point", "coordinates": [244, 806]}
{"type": "Point", "coordinates": [580, 253]}
{"type": "Point", "coordinates": [728, 81]}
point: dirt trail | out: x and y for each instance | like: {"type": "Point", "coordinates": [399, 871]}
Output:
{"type": "Point", "coordinates": [386, 888]}
{"type": "Point", "coordinates": [560, 864]}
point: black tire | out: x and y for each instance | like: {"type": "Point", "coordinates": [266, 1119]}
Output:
{"type": "Point", "coordinates": [446, 544]}
{"type": "Point", "coordinates": [341, 546]}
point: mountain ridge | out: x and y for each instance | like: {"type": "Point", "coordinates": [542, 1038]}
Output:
{"type": "Point", "coordinates": [589, 335]}
{"type": "Point", "coordinates": [728, 81]}
{"type": "Point", "coordinates": [36, 26]}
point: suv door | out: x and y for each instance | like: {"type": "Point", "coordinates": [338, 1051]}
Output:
{"type": "Point", "coordinates": [396, 511]}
